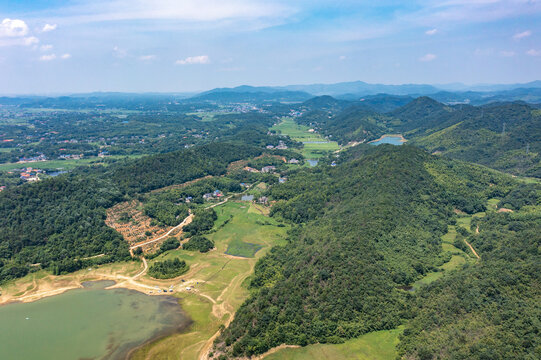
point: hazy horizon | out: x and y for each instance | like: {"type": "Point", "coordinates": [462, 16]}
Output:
{"type": "Point", "coordinates": [80, 46]}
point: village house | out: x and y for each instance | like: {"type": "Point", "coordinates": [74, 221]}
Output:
{"type": "Point", "coordinates": [250, 169]}
{"type": "Point", "coordinates": [281, 145]}
{"type": "Point", "coordinates": [268, 169]}
{"type": "Point", "coordinates": [263, 200]}
{"type": "Point", "coordinates": [293, 161]}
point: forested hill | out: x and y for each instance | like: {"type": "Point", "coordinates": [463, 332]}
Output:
{"type": "Point", "coordinates": [56, 222]}
{"type": "Point", "coordinates": [356, 123]}
{"type": "Point", "coordinates": [504, 136]}
{"type": "Point", "coordinates": [489, 310]}
{"type": "Point", "coordinates": [366, 227]}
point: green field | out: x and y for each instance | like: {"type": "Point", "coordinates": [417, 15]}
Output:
{"type": "Point", "coordinates": [378, 345]}
{"type": "Point", "coordinates": [320, 146]}
{"type": "Point", "coordinates": [241, 248]}
{"type": "Point", "coordinates": [58, 164]}
{"type": "Point", "coordinates": [217, 276]}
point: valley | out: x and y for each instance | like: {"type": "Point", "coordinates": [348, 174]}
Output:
{"type": "Point", "coordinates": [280, 232]}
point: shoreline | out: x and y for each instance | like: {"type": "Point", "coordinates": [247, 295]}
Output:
{"type": "Point", "coordinates": [52, 285]}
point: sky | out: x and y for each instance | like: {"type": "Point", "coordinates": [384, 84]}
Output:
{"type": "Point", "coordinates": [70, 46]}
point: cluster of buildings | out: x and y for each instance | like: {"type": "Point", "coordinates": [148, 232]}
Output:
{"type": "Point", "coordinates": [40, 157]}
{"type": "Point", "coordinates": [30, 174]}
{"type": "Point", "coordinates": [213, 195]}
{"type": "Point", "coordinates": [71, 156]}
{"type": "Point", "coordinates": [281, 146]}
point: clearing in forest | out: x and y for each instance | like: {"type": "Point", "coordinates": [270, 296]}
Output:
{"type": "Point", "coordinates": [315, 145]}
{"type": "Point", "coordinates": [216, 281]}
{"type": "Point", "coordinates": [130, 221]}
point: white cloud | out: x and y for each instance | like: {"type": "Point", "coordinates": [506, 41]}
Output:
{"type": "Point", "coordinates": [47, 57]}
{"type": "Point", "coordinates": [65, 56]}
{"type": "Point", "coordinates": [431, 32]}
{"type": "Point", "coordinates": [342, 57]}
{"type": "Point", "coordinates": [31, 40]}
{"type": "Point", "coordinates": [13, 28]}
{"type": "Point", "coordinates": [506, 53]}
{"type": "Point", "coordinates": [13, 32]}
{"type": "Point", "coordinates": [247, 13]}
{"type": "Point", "coordinates": [48, 27]}
{"type": "Point", "coordinates": [201, 59]}
{"type": "Point", "coordinates": [46, 47]}
{"type": "Point", "coordinates": [427, 57]}
{"type": "Point", "coordinates": [533, 52]}
{"type": "Point", "coordinates": [147, 57]}
{"type": "Point", "coordinates": [522, 35]}
{"type": "Point", "coordinates": [119, 53]}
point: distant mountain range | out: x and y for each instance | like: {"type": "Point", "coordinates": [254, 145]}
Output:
{"type": "Point", "coordinates": [371, 94]}
{"type": "Point", "coordinates": [359, 90]}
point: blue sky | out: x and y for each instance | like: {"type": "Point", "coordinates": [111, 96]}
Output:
{"type": "Point", "coordinates": [59, 46]}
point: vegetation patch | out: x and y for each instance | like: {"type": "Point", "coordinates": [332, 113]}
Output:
{"type": "Point", "coordinates": [168, 269]}
{"type": "Point", "coordinates": [198, 243]}
{"type": "Point", "coordinates": [243, 249]}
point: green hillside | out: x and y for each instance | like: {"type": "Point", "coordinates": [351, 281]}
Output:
{"type": "Point", "coordinates": [365, 228]}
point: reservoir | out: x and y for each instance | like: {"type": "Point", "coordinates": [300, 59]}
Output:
{"type": "Point", "coordinates": [88, 323]}
{"type": "Point", "coordinates": [389, 139]}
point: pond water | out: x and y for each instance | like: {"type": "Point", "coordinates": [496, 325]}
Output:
{"type": "Point", "coordinates": [393, 140]}
{"type": "Point", "coordinates": [247, 197]}
{"type": "Point", "coordinates": [88, 323]}
{"type": "Point", "coordinates": [312, 162]}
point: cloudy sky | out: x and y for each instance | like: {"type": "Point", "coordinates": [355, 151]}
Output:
{"type": "Point", "coordinates": [63, 46]}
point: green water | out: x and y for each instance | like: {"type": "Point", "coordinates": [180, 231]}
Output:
{"type": "Point", "coordinates": [89, 323]}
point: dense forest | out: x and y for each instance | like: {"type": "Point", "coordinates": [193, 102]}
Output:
{"type": "Point", "coordinates": [503, 136]}
{"type": "Point", "coordinates": [366, 223]}
{"type": "Point", "coordinates": [490, 309]}
{"type": "Point", "coordinates": [58, 222]}
{"type": "Point", "coordinates": [366, 228]}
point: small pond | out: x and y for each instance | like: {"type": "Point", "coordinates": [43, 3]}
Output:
{"type": "Point", "coordinates": [389, 139]}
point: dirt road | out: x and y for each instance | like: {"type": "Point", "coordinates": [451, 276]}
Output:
{"type": "Point", "coordinates": [186, 221]}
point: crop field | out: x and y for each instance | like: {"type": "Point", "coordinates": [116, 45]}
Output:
{"type": "Point", "coordinates": [315, 145]}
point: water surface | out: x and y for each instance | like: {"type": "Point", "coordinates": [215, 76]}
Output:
{"type": "Point", "coordinates": [393, 140]}
{"type": "Point", "coordinates": [89, 323]}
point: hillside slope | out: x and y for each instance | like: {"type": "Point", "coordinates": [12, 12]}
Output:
{"type": "Point", "coordinates": [503, 136]}
{"type": "Point", "coordinates": [367, 226]}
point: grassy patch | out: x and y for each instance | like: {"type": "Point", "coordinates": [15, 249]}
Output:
{"type": "Point", "coordinates": [315, 145]}
{"type": "Point", "coordinates": [56, 164]}
{"type": "Point", "coordinates": [378, 345]}
{"type": "Point", "coordinates": [215, 276]}
{"type": "Point", "coordinates": [241, 248]}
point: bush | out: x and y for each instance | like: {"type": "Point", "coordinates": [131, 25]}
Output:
{"type": "Point", "coordinates": [198, 242]}
{"type": "Point", "coordinates": [168, 269]}
{"type": "Point", "coordinates": [169, 244]}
